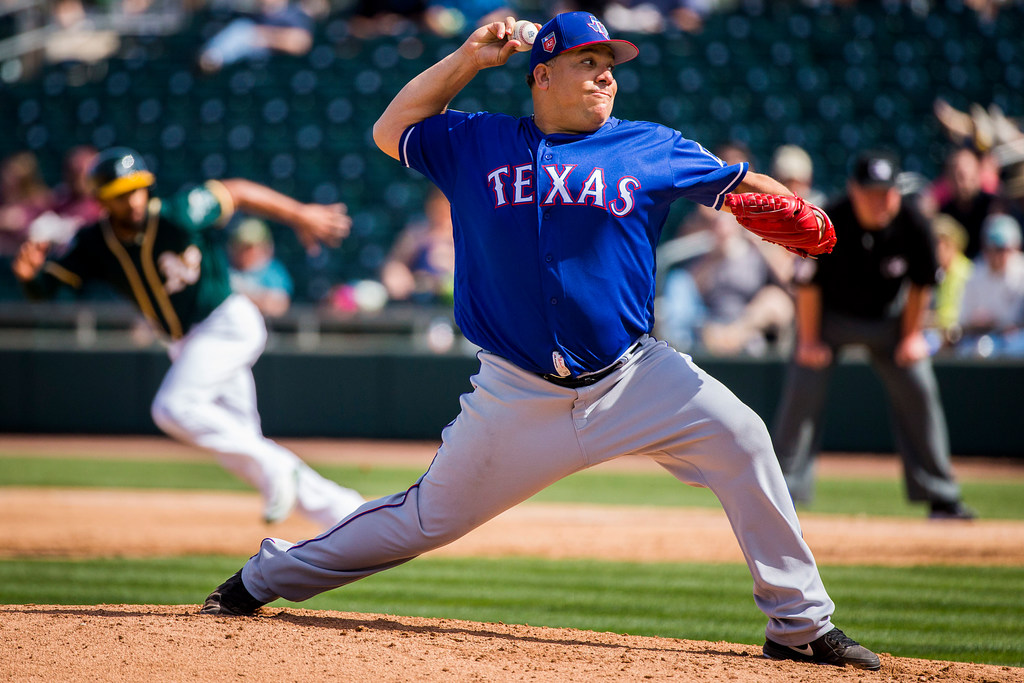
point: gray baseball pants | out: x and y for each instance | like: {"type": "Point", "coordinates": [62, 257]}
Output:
{"type": "Point", "coordinates": [914, 406]}
{"type": "Point", "coordinates": [517, 433]}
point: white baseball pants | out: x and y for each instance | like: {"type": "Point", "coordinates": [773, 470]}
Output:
{"type": "Point", "coordinates": [208, 399]}
{"type": "Point", "coordinates": [517, 434]}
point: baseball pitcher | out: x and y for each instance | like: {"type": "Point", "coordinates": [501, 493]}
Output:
{"type": "Point", "coordinates": [556, 218]}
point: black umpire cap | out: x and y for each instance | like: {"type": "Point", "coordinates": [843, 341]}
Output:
{"type": "Point", "coordinates": [876, 168]}
{"type": "Point", "coordinates": [119, 170]}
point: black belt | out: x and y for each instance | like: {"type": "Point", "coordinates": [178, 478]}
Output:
{"type": "Point", "coordinates": [593, 377]}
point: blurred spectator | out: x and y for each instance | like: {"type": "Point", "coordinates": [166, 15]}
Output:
{"type": "Point", "coordinates": [278, 26]}
{"type": "Point", "coordinates": [992, 313]}
{"type": "Point", "coordinates": [735, 152]}
{"type": "Point", "coordinates": [76, 37]}
{"type": "Point", "coordinates": [636, 16]}
{"type": "Point", "coordinates": [1010, 158]}
{"type": "Point", "coordinates": [980, 130]}
{"type": "Point", "coordinates": [950, 240]}
{"type": "Point", "coordinates": [421, 265]}
{"type": "Point", "coordinates": [680, 311]}
{"type": "Point", "coordinates": [792, 166]}
{"type": "Point", "coordinates": [871, 291]}
{"type": "Point", "coordinates": [690, 15]}
{"type": "Point", "coordinates": [359, 296]}
{"type": "Point", "coordinates": [654, 16]}
{"type": "Point", "coordinates": [748, 308]}
{"type": "Point", "coordinates": [73, 203]}
{"type": "Point", "coordinates": [595, 7]}
{"type": "Point", "coordinates": [255, 272]}
{"type": "Point", "coordinates": [371, 18]}
{"type": "Point", "coordinates": [456, 17]}
{"type": "Point", "coordinates": [24, 195]}
{"type": "Point", "coordinates": [74, 197]}
{"type": "Point", "coordinates": [988, 10]}
{"type": "Point", "coordinates": [700, 219]}
{"type": "Point", "coordinates": [968, 203]}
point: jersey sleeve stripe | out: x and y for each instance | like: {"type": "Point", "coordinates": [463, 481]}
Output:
{"type": "Point", "coordinates": [227, 204]}
{"type": "Point", "coordinates": [720, 199]}
{"type": "Point", "coordinates": [713, 156]}
{"type": "Point", "coordinates": [403, 144]}
{"type": "Point", "coordinates": [63, 274]}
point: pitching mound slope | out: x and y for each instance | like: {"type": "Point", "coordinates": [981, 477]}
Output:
{"type": "Point", "coordinates": [174, 643]}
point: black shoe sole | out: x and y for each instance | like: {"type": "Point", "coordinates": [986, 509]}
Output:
{"type": "Point", "coordinates": [782, 653]}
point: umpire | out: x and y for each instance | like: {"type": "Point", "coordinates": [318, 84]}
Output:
{"type": "Point", "coordinates": [872, 291]}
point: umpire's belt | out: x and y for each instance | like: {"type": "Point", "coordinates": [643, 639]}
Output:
{"type": "Point", "coordinates": [588, 378]}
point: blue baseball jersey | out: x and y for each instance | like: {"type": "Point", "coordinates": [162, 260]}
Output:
{"type": "Point", "coordinates": [555, 235]}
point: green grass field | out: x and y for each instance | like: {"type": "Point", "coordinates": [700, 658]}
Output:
{"type": "Point", "coordinates": [972, 614]}
{"type": "Point", "coordinates": [883, 497]}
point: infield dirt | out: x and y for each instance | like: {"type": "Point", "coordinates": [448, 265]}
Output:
{"type": "Point", "coordinates": [173, 643]}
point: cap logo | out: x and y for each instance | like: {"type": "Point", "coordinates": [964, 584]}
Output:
{"type": "Point", "coordinates": [128, 161]}
{"type": "Point", "coordinates": [881, 169]}
{"type": "Point", "coordinates": [549, 42]}
{"type": "Point", "coordinates": [598, 27]}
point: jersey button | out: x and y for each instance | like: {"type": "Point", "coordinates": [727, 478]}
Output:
{"type": "Point", "coordinates": [554, 301]}
{"type": "Point", "coordinates": [549, 258]}
{"type": "Point", "coordinates": [547, 157]}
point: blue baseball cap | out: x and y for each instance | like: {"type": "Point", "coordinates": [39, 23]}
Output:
{"type": "Point", "coordinates": [570, 30]}
{"type": "Point", "coordinates": [1000, 231]}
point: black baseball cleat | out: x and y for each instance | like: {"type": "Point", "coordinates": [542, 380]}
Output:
{"type": "Point", "coordinates": [231, 599]}
{"type": "Point", "coordinates": [954, 510]}
{"type": "Point", "coordinates": [835, 647]}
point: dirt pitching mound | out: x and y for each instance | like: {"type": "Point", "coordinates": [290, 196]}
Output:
{"type": "Point", "coordinates": [174, 643]}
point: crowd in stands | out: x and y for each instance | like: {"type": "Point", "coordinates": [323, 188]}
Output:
{"type": "Point", "coordinates": [86, 29]}
{"type": "Point", "coordinates": [732, 294]}
{"type": "Point", "coordinates": [30, 208]}
{"type": "Point", "coordinates": [90, 31]}
{"type": "Point", "coordinates": [736, 294]}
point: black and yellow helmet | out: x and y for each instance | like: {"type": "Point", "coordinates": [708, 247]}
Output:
{"type": "Point", "coordinates": [119, 170]}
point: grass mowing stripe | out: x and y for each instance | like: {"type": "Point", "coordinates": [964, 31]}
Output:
{"type": "Point", "coordinates": [967, 613]}
{"type": "Point", "coordinates": [185, 475]}
{"type": "Point", "coordinates": [992, 499]}
{"type": "Point", "coordinates": [955, 613]}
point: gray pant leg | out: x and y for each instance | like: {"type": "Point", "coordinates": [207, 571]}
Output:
{"type": "Point", "coordinates": [799, 427]}
{"type": "Point", "coordinates": [916, 411]}
{"type": "Point", "coordinates": [704, 435]}
{"type": "Point", "coordinates": [513, 437]}
{"type": "Point", "coordinates": [920, 429]}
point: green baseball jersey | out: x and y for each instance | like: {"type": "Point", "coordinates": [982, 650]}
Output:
{"type": "Point", "coordinates": [173, 271]}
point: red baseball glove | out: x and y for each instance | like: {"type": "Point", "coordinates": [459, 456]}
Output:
{"type": "Point", "coordinates": [791, 222]}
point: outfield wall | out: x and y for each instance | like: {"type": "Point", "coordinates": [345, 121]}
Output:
{"type": "Point", "coordinates": [414, 395]}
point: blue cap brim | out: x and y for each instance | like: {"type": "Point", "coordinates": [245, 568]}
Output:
{"type": "Point", "coordinates": [564, 30]}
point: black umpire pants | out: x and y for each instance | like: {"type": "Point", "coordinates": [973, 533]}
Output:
{"type": "Point", "coordinates": [915, 409]}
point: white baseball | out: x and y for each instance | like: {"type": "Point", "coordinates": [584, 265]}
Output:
{"type": "Point", "coordinates": [525, 32]}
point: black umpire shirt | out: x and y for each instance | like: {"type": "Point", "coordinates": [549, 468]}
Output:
{"type": "Point", "coordinates": [865, 274]}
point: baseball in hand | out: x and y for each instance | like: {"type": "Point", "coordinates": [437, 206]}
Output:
{"type": "Point", "coordinates": [524, 31]}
